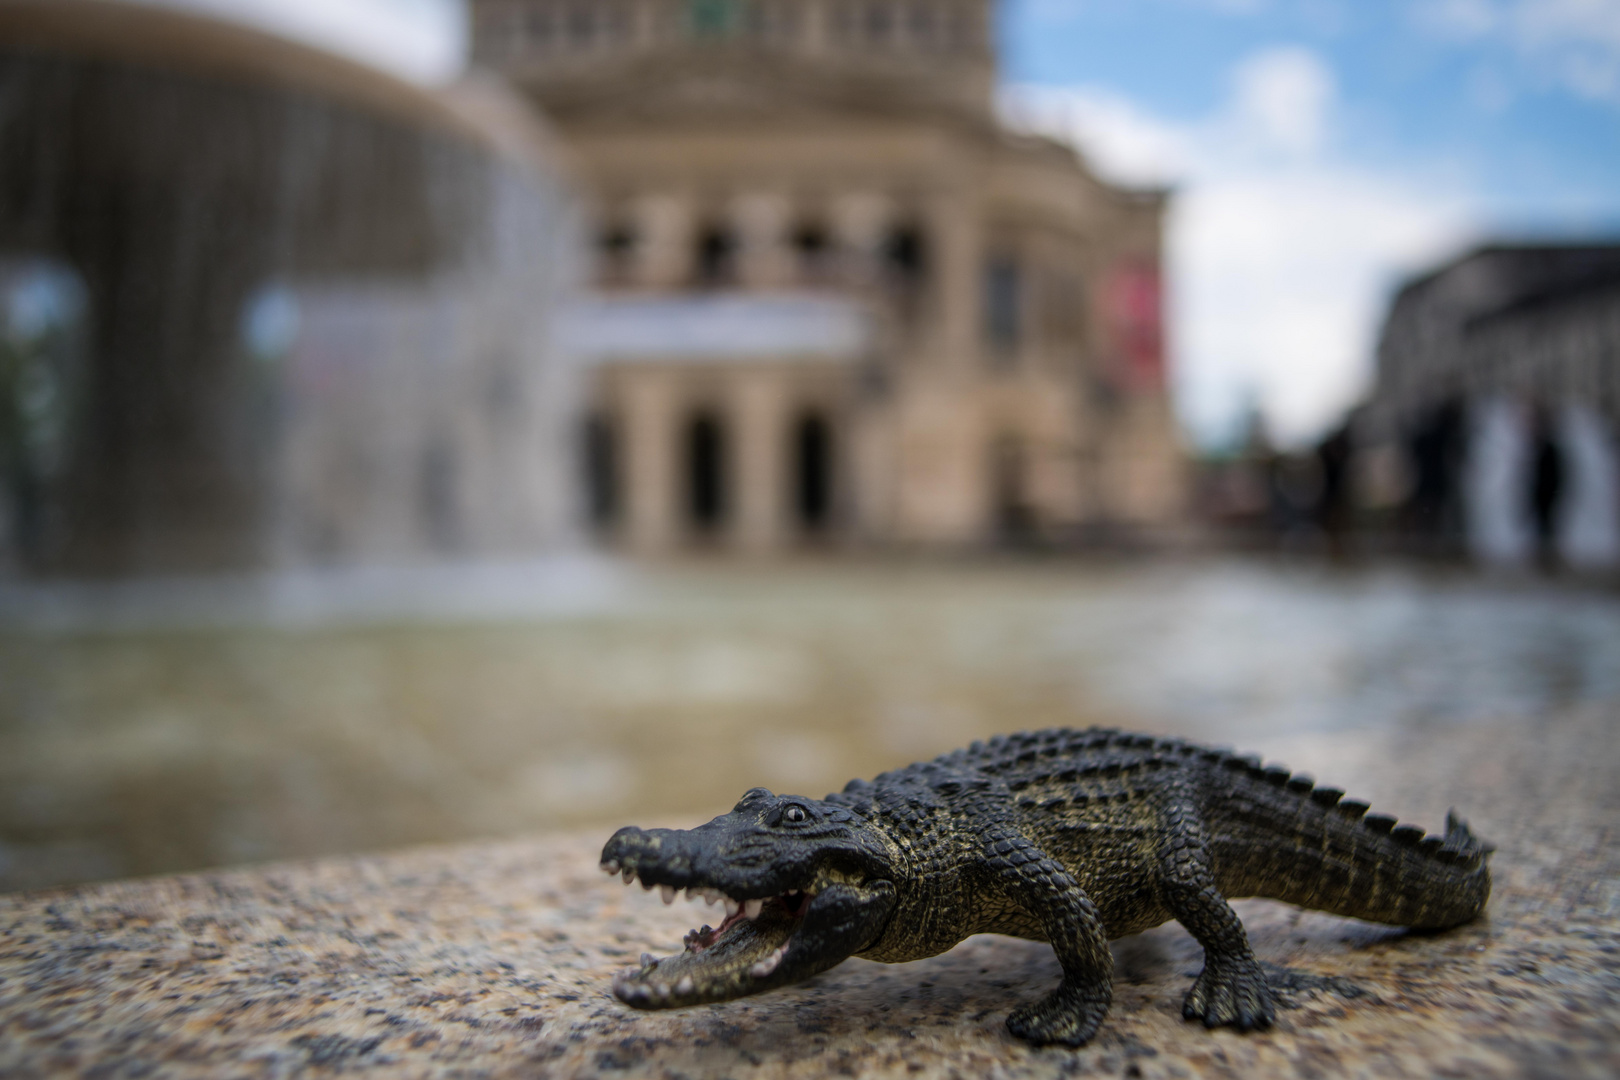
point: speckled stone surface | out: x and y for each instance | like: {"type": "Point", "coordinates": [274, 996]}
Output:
{"type": "Point", "coordinates": [494, 960]}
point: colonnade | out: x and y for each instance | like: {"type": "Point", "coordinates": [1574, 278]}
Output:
{"type": "Point", "coordinates": [921, 256]}
{"type": "Point", "coordinates": [754, 462]}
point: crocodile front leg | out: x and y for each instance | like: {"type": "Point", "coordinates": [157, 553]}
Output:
{"type": "Point", "coordinates": [1040, 885]}
{"type": "Point", "coordinates": [1232, 987]}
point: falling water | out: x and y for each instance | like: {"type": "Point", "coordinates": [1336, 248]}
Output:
{"type": "Point", "coordinates": [311, 306]}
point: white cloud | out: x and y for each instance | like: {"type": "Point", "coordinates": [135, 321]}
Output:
{"type": "Point", "coordinates": [1282, 97]}
{"type": "Point", "coordinates": [1064, 10]}
{"type": "Point", "coordinates": [420, 40]}
{"type": "Point", "coordinates": [1461, 20]}
{"type": "Point", "coordinates": [1281, 253]}
{"type": "Point", "coordinates": [1572, 43]}
{"type": "Point", "coordinates": [1579, 39]}
{"type": "Point", "coordinates": [1121, 141]}
{"type": "Point", "coordinates": [1235, 7]}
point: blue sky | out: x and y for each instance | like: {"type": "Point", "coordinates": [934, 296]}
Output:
{"type": "Point", "coordinates": [1321, 150]}
{"type": "Point", "coordinates": [1522, 100]}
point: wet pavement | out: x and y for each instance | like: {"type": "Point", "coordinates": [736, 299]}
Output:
{"type": "Point", "coordinates": [166, 728]}
{"type": "Point", "coordinates": [493, 960]}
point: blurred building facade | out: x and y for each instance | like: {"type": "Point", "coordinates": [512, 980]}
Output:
{"type": "Point", "coordinates": [264, 307]}
{"type": "Point", "coordinates": [1499, 386]}
{"type": "Point", "coordinates": [836, 299]}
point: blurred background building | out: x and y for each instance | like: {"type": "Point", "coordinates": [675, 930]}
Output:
{"type": "Point", "coordinates": [1499, 381]}
{"type": "Point", "coordinates": [837, 299]}
{"type": "Point", "coordinates": [266, 307]}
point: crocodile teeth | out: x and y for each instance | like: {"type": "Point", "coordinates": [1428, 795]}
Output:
{"type": "Point", "coordinates": [732, 907]}
{"type": "Point", "coordinates": [768, 965]}
{"type": "Point", "coordinates": [667, 892]}
{"type": "Point", "coordinates": [751, 908]}
{"type": "Point", "coordinates": [645, 884]}
{"type": "Point", "coordinates": [629, 875]}
{"type": "Point", "coordinates": [711, 896]}
{"type": "Point", "coordinates": [610, 867]}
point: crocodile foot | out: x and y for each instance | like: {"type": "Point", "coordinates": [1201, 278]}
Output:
{"type": "Point", "coordinates": [1068, 1015]}
{"type": "Point", "coordinates": [1231, 992]}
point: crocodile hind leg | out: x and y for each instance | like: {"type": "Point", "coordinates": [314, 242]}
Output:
{"type": "Point", "coordinates": [1040, 885]}
{"type": "Point", "coordinates": [1232, 987]}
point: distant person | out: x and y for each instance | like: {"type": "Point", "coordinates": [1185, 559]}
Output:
{"type": "Point", "coordinates": [1433, 514]}
{"type": "Point", "coordinates": [1335, 499]}
{"type": "Point", "coordinates": [1547, 469]}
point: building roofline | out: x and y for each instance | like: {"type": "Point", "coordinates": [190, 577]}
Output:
{"type": "Point", "coordinates": [1490, 248]}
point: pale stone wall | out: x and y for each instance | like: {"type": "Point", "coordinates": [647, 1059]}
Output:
{"type": "Point", "coordinates": [849, 150]}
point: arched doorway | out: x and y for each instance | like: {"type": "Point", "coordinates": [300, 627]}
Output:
{"type": "Point", "coordinates": [601, 461]}
{"type": "Point", "coordinates": [813, 473]}
{"type": "Point", "coordinates": [707, 495]}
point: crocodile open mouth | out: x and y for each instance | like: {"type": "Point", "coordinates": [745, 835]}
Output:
{"type": "Point", "coordinates": [743, 955]}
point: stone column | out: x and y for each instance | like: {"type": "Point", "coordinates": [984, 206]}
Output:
{"type": "Point", "coordinates": [859, 219]}
{"type": "Point", "coordinates": [956, 277]}
{"type": "Point", "coordinates": [651, 461]}
{"type": "Point", "coordinates": [761, 221]}
{"type": "Point", "coordinates": [663, 224]}
{"type": "Point", "coordinates": [870, 483]}
{"type": "Point", "coordinates": [759, 407]}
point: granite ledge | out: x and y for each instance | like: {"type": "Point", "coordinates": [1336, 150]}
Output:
{"type": "Point", "coordinates": [494, 960]}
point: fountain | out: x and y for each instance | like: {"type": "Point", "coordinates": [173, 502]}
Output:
{"type": "Point", "coordinates": [267, 308]}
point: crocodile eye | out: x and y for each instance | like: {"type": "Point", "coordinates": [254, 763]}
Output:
{"type": "Point", "coordinates": [794, 814]}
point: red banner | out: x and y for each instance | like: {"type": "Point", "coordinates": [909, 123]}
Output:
{"type": "Point", "coordinates": [1135, 312]}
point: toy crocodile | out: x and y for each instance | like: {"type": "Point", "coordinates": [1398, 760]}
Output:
{"type": "Point", "coordinates": [1068, 837]}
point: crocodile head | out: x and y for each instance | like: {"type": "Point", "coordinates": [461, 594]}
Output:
{"type": "Point", "coordinates": [805, 884]}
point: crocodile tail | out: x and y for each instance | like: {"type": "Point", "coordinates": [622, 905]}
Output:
{"type": "Point", "coordinates": [1400, 876]}
{"type": "Point", "coordinates": [1339, 858]}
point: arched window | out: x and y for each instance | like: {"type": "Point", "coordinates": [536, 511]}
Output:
{"type": "Point", "coordinates": [878, 22]}
{"type": "Point", "coordinates": [1003, 309]}
{"type": "Point", "coordinates": [712, 18]}
{"type": "Point", "coordinates": [542, 28]}
{"type": "Point", "coordinates": [582, 25]}
{"type": "Point", "coordinates": [616, 248]}
{"type": "Point", "coordinates": [707, 497]}
{"type": "Point", "coordinates": [814, 248]}
{"type": "Point", "coordinates": [906, 254]}
{"type": "Point", "coordinates": [923, 26]}
{"type": "Point", "coordinates": [716, 262]}
{"type": "Point", "coordinates": [770, 22]}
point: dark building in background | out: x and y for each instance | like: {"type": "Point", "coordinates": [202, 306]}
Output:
{"type": "Point", "coordinates": [1499, 386]}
